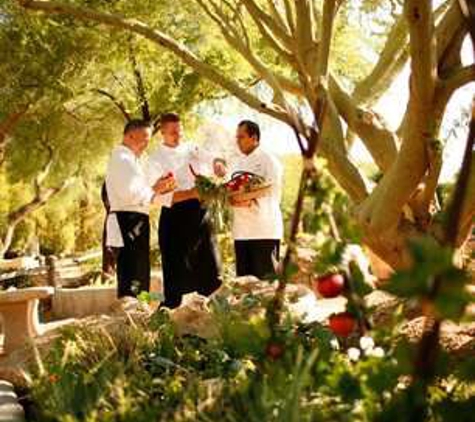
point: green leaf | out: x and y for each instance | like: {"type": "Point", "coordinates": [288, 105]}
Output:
{"type": "Point", "coordinates": [452, 297]}
{"type": "Point", "coordinates": [357, 280]}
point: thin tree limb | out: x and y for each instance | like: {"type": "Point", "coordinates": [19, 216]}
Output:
{"type": "Point", "coordinates": [140, 85]}
{"type": "Point", "coordinates": [116, 102]}
{"type": "Point", "coordinates": [258, 13]}
{"type": "Point", "coordinates": [328, 17]}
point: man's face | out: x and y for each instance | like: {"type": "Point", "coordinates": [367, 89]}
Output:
{"type": "Point", "coordinates": [245, 142]}
{"type": "Point", "coordinates": [139, 139]}
{"type": "Point", "coordinates": [171, 133]}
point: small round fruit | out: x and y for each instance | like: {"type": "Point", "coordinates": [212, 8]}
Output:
{"type": "Point", "coordinates": [274, 351]}
{"type": "Point", "coordinates": [330, 285]}
{"type": "Point", "coordinates": [342, 324]}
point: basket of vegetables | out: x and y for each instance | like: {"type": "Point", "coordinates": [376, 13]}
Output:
{"type": "Point", "coordinates": [246, 186]}
{"type": "Point", "coordinates": [209, 189]}
{"type": "Point", "coordinates": [213, 193]}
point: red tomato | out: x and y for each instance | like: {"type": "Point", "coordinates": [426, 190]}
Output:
{"type": "Point", "coordinates": [342, 324]}
{"type": "Point", "coordinates": [329, 285]}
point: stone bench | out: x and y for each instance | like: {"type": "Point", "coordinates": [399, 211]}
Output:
{"type": "Point", "coordinates": [19, 309]}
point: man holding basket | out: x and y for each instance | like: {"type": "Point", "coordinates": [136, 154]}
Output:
{"type": "Point", "coordinates": [257, 225]}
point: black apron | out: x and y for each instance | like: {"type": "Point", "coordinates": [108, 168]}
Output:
{"type": "Point", "coordinates": [133, 259]}
{"type": "Point", "coordinates": [190, 259]}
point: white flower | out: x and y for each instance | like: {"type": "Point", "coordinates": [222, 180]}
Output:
{"type": "Point", "coordinates": [354, 354]}
{"type": "Point", "coordinates": [377, 352]}
{"type": "Point", "coordinates": [401, 385]}
{"type": "Point", "coordinates": [366, 343]}
{"type": "Point", "coordinates": [334, 344]}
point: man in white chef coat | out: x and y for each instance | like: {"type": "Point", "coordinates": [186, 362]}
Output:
{"type": "Point", "coordinates": [257, 225]}
{"type": "Point", "coordinates": [190, 259]}
{"type": "Point", "coordinates": [130, 195]}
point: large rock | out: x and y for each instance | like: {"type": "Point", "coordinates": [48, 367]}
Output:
{"type": "Point", "coordinates": [458, 339]}
{"type": "Point", "coordinates": [194, 317]}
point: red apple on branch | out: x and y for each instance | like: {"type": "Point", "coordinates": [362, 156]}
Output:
{"type": "Point", "coordinates": [342, 324]}
{"type": "Point", "coordinates": [329, 285]}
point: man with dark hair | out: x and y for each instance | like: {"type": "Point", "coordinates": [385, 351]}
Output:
{"type": "Point", "coordinates": [252, 129]}
{"type": "Point", "coordinates": [130, 195]}
{"type": "Point", "coordinates": [257, 225]}
{"type": "Point", "coordinates": [188, 248]}
{"type": "Point", "coordinates": [168, 118]}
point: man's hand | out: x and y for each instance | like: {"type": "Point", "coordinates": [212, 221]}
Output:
{"type": "Point", "coordinates": [219, 167]}
{"type": "Point", "coordinates": [164, 185]}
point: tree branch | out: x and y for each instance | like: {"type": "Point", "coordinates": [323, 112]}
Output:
{"type": "Point", "coordinates": [333, 149]}
{"type": "Point", "coordinates": [278, 30]}
{"type": "Point", "coordinates": [45, 170]}
{"type": "Point", "coordinates": [41, 197]}
{"type": "Point", "coordinates": [281, 50]}
{"type": "Point", "coordinates": [378, 139]}
{"type": "Point", "coordinates": [328, 17]}
{"type": "Point", "coordinates": [158, 37]}
{"type": "Point", "coordinates": [422, 49]}
{"type": "Point", "coordinates": [391, 60]}
{"type": "Point", "coordinates": [17, 216]}
{"type": "Point", "coordinates": [140, 85]}
{"type": "Point", "coordinates": [451, 23]}
{"type": "Point", "coordinates": [382, 212]}
{"type": "Point", "coordinates": [116, 102]}
{"type": "Point", "coordinates": [290, 16]}
{"type": "Point", "coordinates": [234, 38]}
{"type": "Point", "coordinates": [467, 216]}
{"type": "Point", "coordinates": [274, 12]}
{"type": "Point", "coordinates": [456, 80]}
{"type": "Point", "coordinates": [304, 32]}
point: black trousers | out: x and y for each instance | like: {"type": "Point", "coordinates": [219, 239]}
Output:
{"type": "Point", "coordinates": [133, 259]}
{"type": "Point", "coordinates": [190, 259]}
{"type": "Point", "coordinates": [256, 257]}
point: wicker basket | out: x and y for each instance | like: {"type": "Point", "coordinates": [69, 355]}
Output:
{"type": "Point", "coordinates": [256, 193]}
